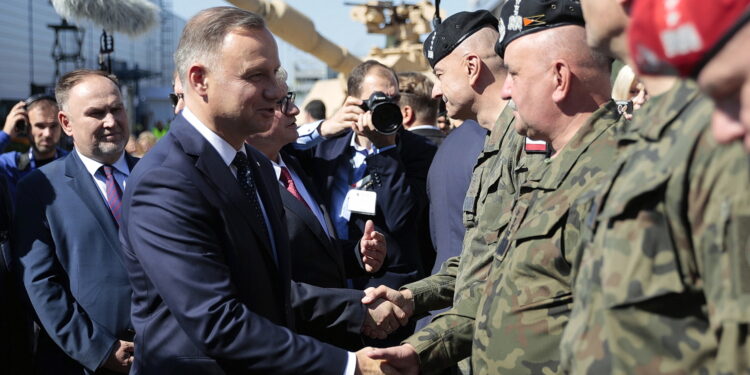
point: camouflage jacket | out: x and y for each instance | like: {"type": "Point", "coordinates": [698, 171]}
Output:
{"type": "Point", "coordinates": [486, 213]}
{"type": "Point", "coordinates": [490, 192]}
{"type": "Point", "coordinates": [663, 286]}
{"type": "Point", "coordinates": [527, 300]}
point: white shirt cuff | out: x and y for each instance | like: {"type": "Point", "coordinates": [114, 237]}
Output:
{"type": "Point", "coordinates": [351, 364]}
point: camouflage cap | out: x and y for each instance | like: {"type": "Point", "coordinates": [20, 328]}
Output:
{"type": "Point", "coordinates": [523, 17]}
{"type": "Point", "coordinates": [452, 31]}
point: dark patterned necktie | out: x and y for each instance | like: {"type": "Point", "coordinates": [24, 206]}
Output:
{"type": "Point", "coordinates": [114, 193]}
{"type": "Point", "coordinates": [247, 184]}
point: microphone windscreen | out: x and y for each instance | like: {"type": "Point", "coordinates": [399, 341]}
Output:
{"type": "Point", "coordinates": [132, 17]}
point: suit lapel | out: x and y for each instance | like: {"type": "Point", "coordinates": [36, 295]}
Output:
{"type": "Point", "coordinates": [217, 174]}
{"type": "Point", "coordinates": [84, 186]}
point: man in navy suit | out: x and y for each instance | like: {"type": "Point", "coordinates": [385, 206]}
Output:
{"type": "Point", "coordinates": [65, 235]}
{"type": "Point", "coordinates": [204, 233]}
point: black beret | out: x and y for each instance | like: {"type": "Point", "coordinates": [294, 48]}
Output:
{"type": "Point", "coordinates": [523, 17]}
{"type": "Point", "coordinates": [454, 30]}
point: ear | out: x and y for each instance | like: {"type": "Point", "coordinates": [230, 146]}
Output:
{"type": "Point", "coordinates": [472, 67]}
{"type": "Point", "coordinates": [561, 76]}
{"type": "Point", "coordinates": [408, 113]}
{"type": "Point", "coordinates": [198, 80]}
{"type": "Point", "coordinates": [64, 121]}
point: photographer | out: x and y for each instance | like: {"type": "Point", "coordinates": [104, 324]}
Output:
{"type": "Point", "coordinates": [373, 165]}
{"type": "Point", "coordinates": [36, 116]}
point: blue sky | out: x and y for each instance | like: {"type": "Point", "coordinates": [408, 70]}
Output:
{"type": "Point", "coordinates": [331, 19]}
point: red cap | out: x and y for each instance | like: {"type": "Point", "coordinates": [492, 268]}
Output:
{"type": "Point", "coordinates": [679, 36]}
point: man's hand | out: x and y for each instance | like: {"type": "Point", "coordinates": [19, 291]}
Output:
{"type": "Point", "coordinates": [345, 118]}
{"type": "Point", "coordinates": [383, 317]}
{"type": "Point", "coordinates": [404, 299]}
{"type": "Point", "coordinates": [17, 113]}
{"type": "Point", "coordinates": [402, 358]}
{"type": "Point", "coordinates": [372, 247]}
{"type": "Point", "coordinates": [367, 365]}
{"type": "Point", "coordinates": [121, 358]}
{"type": "Point", "coordinates": [364, 126]}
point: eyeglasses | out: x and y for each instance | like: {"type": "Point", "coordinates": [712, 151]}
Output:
{"type": "Point", "coordinates": [286, 103]}
{"type": "Point", "coordinates": [174, 98]}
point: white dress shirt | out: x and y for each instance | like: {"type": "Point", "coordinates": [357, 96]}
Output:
{"type": "Point", "coordinates": [121, 171]}
{"type": "Point", "coordinates": [314, 206]}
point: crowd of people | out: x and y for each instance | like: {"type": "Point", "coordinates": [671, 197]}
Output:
{"type": "Point", "coordinates": [530, 210]}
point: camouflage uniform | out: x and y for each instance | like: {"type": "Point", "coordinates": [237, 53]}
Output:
{"type": "Point", "coordinates": [527, 300]}
{"type": "Point", "coordinates": [515, 319]}
{"type": "Point", "coordinates": [663, 286]}
{"type": "Point", "coordinates": [486, 212]}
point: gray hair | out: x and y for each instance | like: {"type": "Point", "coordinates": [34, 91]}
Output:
{"type": "Point", "coordinates": [204, 35]}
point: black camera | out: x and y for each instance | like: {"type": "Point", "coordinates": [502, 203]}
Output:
{"type": "Point", "coordinates": [624, 107]}
{"type": "Point", "coordinates": [386, 115]}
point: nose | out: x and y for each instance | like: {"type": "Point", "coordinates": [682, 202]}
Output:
{"type": "Point", "coordinates": [275, 92]}
{"type": "Point", "coordinates": [437, 90]}
{"type": "Point", "coordinates": [294, 111]}
{"type": "Point", "coordinates": [507, 91]}
{"type": "Point", "coordinates": [109, 120]}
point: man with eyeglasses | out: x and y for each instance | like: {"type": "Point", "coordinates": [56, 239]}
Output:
{"type": "Point", "coordinates": [318, 257]}
{"type": "Point", "coordinates": [371, 175]}
{"type": "Point", "coordinates": [38, 114]}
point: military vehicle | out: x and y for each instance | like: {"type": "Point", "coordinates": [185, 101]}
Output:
{"type": "Point", "coordinates": [402, 25]}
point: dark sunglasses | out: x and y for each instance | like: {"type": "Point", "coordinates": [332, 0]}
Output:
{"type": "Point", "coordinates": [174, 98]}
{"type": "Point", "coordinates": [287, 102]}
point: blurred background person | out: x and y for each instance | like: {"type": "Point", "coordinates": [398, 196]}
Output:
{"type": "Point", "coordinates": [418, 108]}
{"type": "Point", "coordinates": [38, 114]}
{"type": "Point", "coordinates": [146, 141]}
{"type": "Point", "coordinates": [628, 88]}
{"type": "Point", "coordinates": [315, 110]}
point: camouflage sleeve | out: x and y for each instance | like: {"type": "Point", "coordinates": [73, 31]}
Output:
{"type": "Point", "coordinates": [719, 211]}
{"type": "Point", "coordinates": [448, 338]}
{"type": "Point", "coordinates": [435, 292]}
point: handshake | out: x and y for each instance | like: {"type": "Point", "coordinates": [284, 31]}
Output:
{"type": "Point", "coordinates": [387, 311]}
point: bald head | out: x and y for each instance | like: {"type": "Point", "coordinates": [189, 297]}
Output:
{"type": "Point", "coordinates": [482, 43]}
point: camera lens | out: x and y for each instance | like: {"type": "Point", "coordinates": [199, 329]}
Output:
{"type": "Point", "coordinates": [387, 118]}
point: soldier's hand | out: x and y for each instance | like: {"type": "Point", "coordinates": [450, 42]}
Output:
{"type": "Point", "coordinates": [345, 118]}
{"type": "Point", "coordinates": [372, 248]}
{"type": "Point", "coordinates": [403, 299]}
{"type": "Point", "coordinates": [16, 114]}
{"type": "Point", "coordinates": [383, 317]}
{"type": "Point", "coordinates": [367, 365]}
{"type": "Point", "coordinates": [402, 358]}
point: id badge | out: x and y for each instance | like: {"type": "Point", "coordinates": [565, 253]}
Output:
{"type": "Point", "coordinates": [361, 201]}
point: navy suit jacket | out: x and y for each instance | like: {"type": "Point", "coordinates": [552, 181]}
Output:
{"type": "Point", "coordinates": [399, 174]}
{"type": "Point", "coordinates": [65, 241]}
{"type": "Point", "coordinates": [209, 294]}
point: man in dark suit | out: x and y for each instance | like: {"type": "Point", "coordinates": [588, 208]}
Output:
{"type": "Point", "coordinates": [390, 168]}
{"type": "Point", "coordinates": [65, 235]}
{"type": "Point", "coordinates": [203, 234]}
{"type": "Point", "coordinates": [317, 257]}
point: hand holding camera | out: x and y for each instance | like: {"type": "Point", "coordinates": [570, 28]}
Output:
{"type": "Point", "coordinates": [381, 121]}
{"type": "Point", "coordinates": [17, 120]}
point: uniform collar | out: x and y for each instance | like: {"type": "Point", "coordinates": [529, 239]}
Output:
{"type": "Point", "coordinates": [554, 170]}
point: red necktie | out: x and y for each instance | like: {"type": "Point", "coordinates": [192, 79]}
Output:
{"type": "Point", "coordinates": [114, 194]}
{"type": "Point", "coordinates": [286, 179]}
